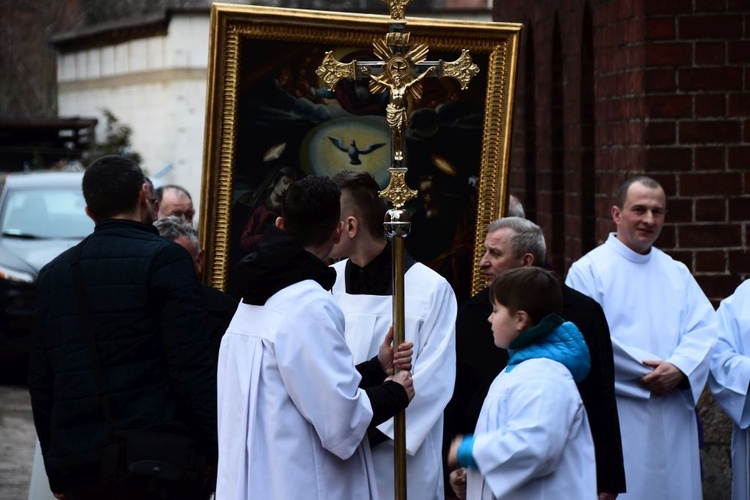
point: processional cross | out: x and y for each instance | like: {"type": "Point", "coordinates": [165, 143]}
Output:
{"type": "Point", "coordinates": [400, 71]}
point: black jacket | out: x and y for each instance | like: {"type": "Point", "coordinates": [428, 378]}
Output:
{"type": "Point", "coordinates": [149, 329]}
{"type": "Point", "coordinates": [479, 361]}
{"type": "Point", "coordinates": [220, 308]}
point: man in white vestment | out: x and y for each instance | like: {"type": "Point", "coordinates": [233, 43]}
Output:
{"type": "Point", "coordinates": [292, 416]}
{"type": "Point", "coordinates": [730, 379]}
{"type": "Point", "coordinates": [663, 329]}
{"type": "Point", "coordinates": [363, 289]}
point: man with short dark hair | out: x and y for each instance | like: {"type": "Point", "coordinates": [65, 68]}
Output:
{"type": "Point", "coordinates": [513, 242]}
{"type": "Point", "coordinates": [364, 291]}
{"type": "Point", "coordinates": [149, 339]}
{"type": "Point", "coordinates": [663, 329]}
{"type": "Point", "coordinates": [174, 200]}
{"type": "Point", "coordinates": [292, 416]}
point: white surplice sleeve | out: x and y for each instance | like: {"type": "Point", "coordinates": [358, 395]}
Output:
{"type": "Point", "coordinates": [698, 329]}
{"type": "Point", "coordinates": [629, 368]}
{"type": "Point", "coordinates": [695, 326]}
{"type": "Point", "coordinates": [434, 369]}
{"type": "Point", "coordinates": [529, 440]}
{"type": "Point", "coordinates": [318, 372]}
{"type": "Point", "coordinates": [730, 364]}
{"type": "Point", "coordinates": [628, 359]}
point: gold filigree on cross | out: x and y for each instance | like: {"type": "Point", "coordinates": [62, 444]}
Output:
{"type": "Point", "coordinates": [397, 8]}
{"type": "Point", "coordinates": [397, 191]}
{"type": "Point", "coordinates": [331, 71]}
{"type": "Point", "coordinates": [462, 69]}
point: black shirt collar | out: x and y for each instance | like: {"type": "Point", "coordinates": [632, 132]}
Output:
{"type": "Point", "coordinates": [375, 277]}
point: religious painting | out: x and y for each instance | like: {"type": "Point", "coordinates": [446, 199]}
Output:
{"type": "Point", "coordinates": [271, 120]}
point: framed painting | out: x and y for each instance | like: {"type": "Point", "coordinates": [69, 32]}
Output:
{"type": "Point", "coordinates": [271, 120]}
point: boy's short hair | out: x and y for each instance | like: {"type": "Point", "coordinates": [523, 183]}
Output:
{"type": "Point", "coordinates": [111, 186]}
{"type": "Point", "coordinates": [363, 189]}
{"type": "Point", "coordinates": [531, 289]}
{"type": "Point", "coordinates": [311, 209]}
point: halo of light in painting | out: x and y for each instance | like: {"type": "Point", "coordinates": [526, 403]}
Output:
{"type": "Point", "coordinates": [348, 143]}
{"type": "Point", "coordinates": [274, 152]}
{"type": "Point", "coordinates": [443, 164]}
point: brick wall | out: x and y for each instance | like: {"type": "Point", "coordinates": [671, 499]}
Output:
{"type": "Point", "coordinates": [609, 89]}
{"type": "Point", "coordinates": [618, 88]}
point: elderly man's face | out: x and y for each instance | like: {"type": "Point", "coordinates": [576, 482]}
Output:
{"type": "Point", "coordinates": [498, 255]}
{"type": "Point", "coordinates": [641, 218]}
{"type": "Point", "coordinates": [176, 203]}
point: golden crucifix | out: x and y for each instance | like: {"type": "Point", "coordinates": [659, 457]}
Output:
{"type": "Point", "coordinates": [400, 71]}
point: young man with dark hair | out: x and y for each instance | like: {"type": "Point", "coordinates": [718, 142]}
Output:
{"type": "Point", "coordinates": [149, 339]}
{"type": "Point", "coordinates": [292, 414]}
{"type": "Point", "coordinates": [363, 289]}
{"type": "Point", "coordinates": [532, 439]}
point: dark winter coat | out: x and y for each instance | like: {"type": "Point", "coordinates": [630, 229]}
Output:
{"type": "Point", "coordinates": [149, 328]}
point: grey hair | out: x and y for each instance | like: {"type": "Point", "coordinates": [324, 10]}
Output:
{"type": "Point", "coordinates": [173, 227]}
{"type": "Point", "coordinates": [515, 208]}
{"type": "Point", "coordinates": [527, 237]}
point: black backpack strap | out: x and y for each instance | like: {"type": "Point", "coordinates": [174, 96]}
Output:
{"type": "Point", "coordinates": [84, 311]}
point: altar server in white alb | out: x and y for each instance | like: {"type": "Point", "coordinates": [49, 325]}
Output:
{"type": "Point", "coordinates": [363, 289]}
{"type": "Point", "coordinates": [532, 440]}
{"type": "Point", "coordinates": [730, 379]}
{"type": "Point", "coordinates": [292, 416]}
{"type": "Point", "coordinates": [663, 329]}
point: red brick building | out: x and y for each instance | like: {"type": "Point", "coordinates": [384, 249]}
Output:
{"type": "Point", "coordinates": [607, 89]}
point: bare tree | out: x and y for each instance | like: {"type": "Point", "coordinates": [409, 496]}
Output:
{"type": "Point", "coordinates": [27, 62]}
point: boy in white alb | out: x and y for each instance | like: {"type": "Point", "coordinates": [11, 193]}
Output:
{"type": "Point", "coordinates": [532, 439]}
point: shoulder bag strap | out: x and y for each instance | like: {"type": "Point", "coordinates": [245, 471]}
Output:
{"type": "Point", "coordinates": [85, 313]}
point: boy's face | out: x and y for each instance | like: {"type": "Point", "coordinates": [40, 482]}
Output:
{"type": "Point", "coordinates": [506, 326]}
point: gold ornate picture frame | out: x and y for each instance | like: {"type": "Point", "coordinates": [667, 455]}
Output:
{"type": "Point", "coordinates": [271, 120]}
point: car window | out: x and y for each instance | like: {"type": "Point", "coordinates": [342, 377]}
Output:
{"type": "Point", "coordinates": [45, 213]}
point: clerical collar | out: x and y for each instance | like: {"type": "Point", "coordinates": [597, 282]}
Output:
{"type": "Point", "coordinates": [623, 250]}
{"type": "Point", "coordinates": [375, 277]}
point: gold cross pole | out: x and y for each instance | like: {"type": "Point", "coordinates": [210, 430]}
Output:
{"type": "Point", "coordinates": [400, 71]}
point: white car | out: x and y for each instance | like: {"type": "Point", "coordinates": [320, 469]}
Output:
{"type": "Point", "coordinates": [41, 215]}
